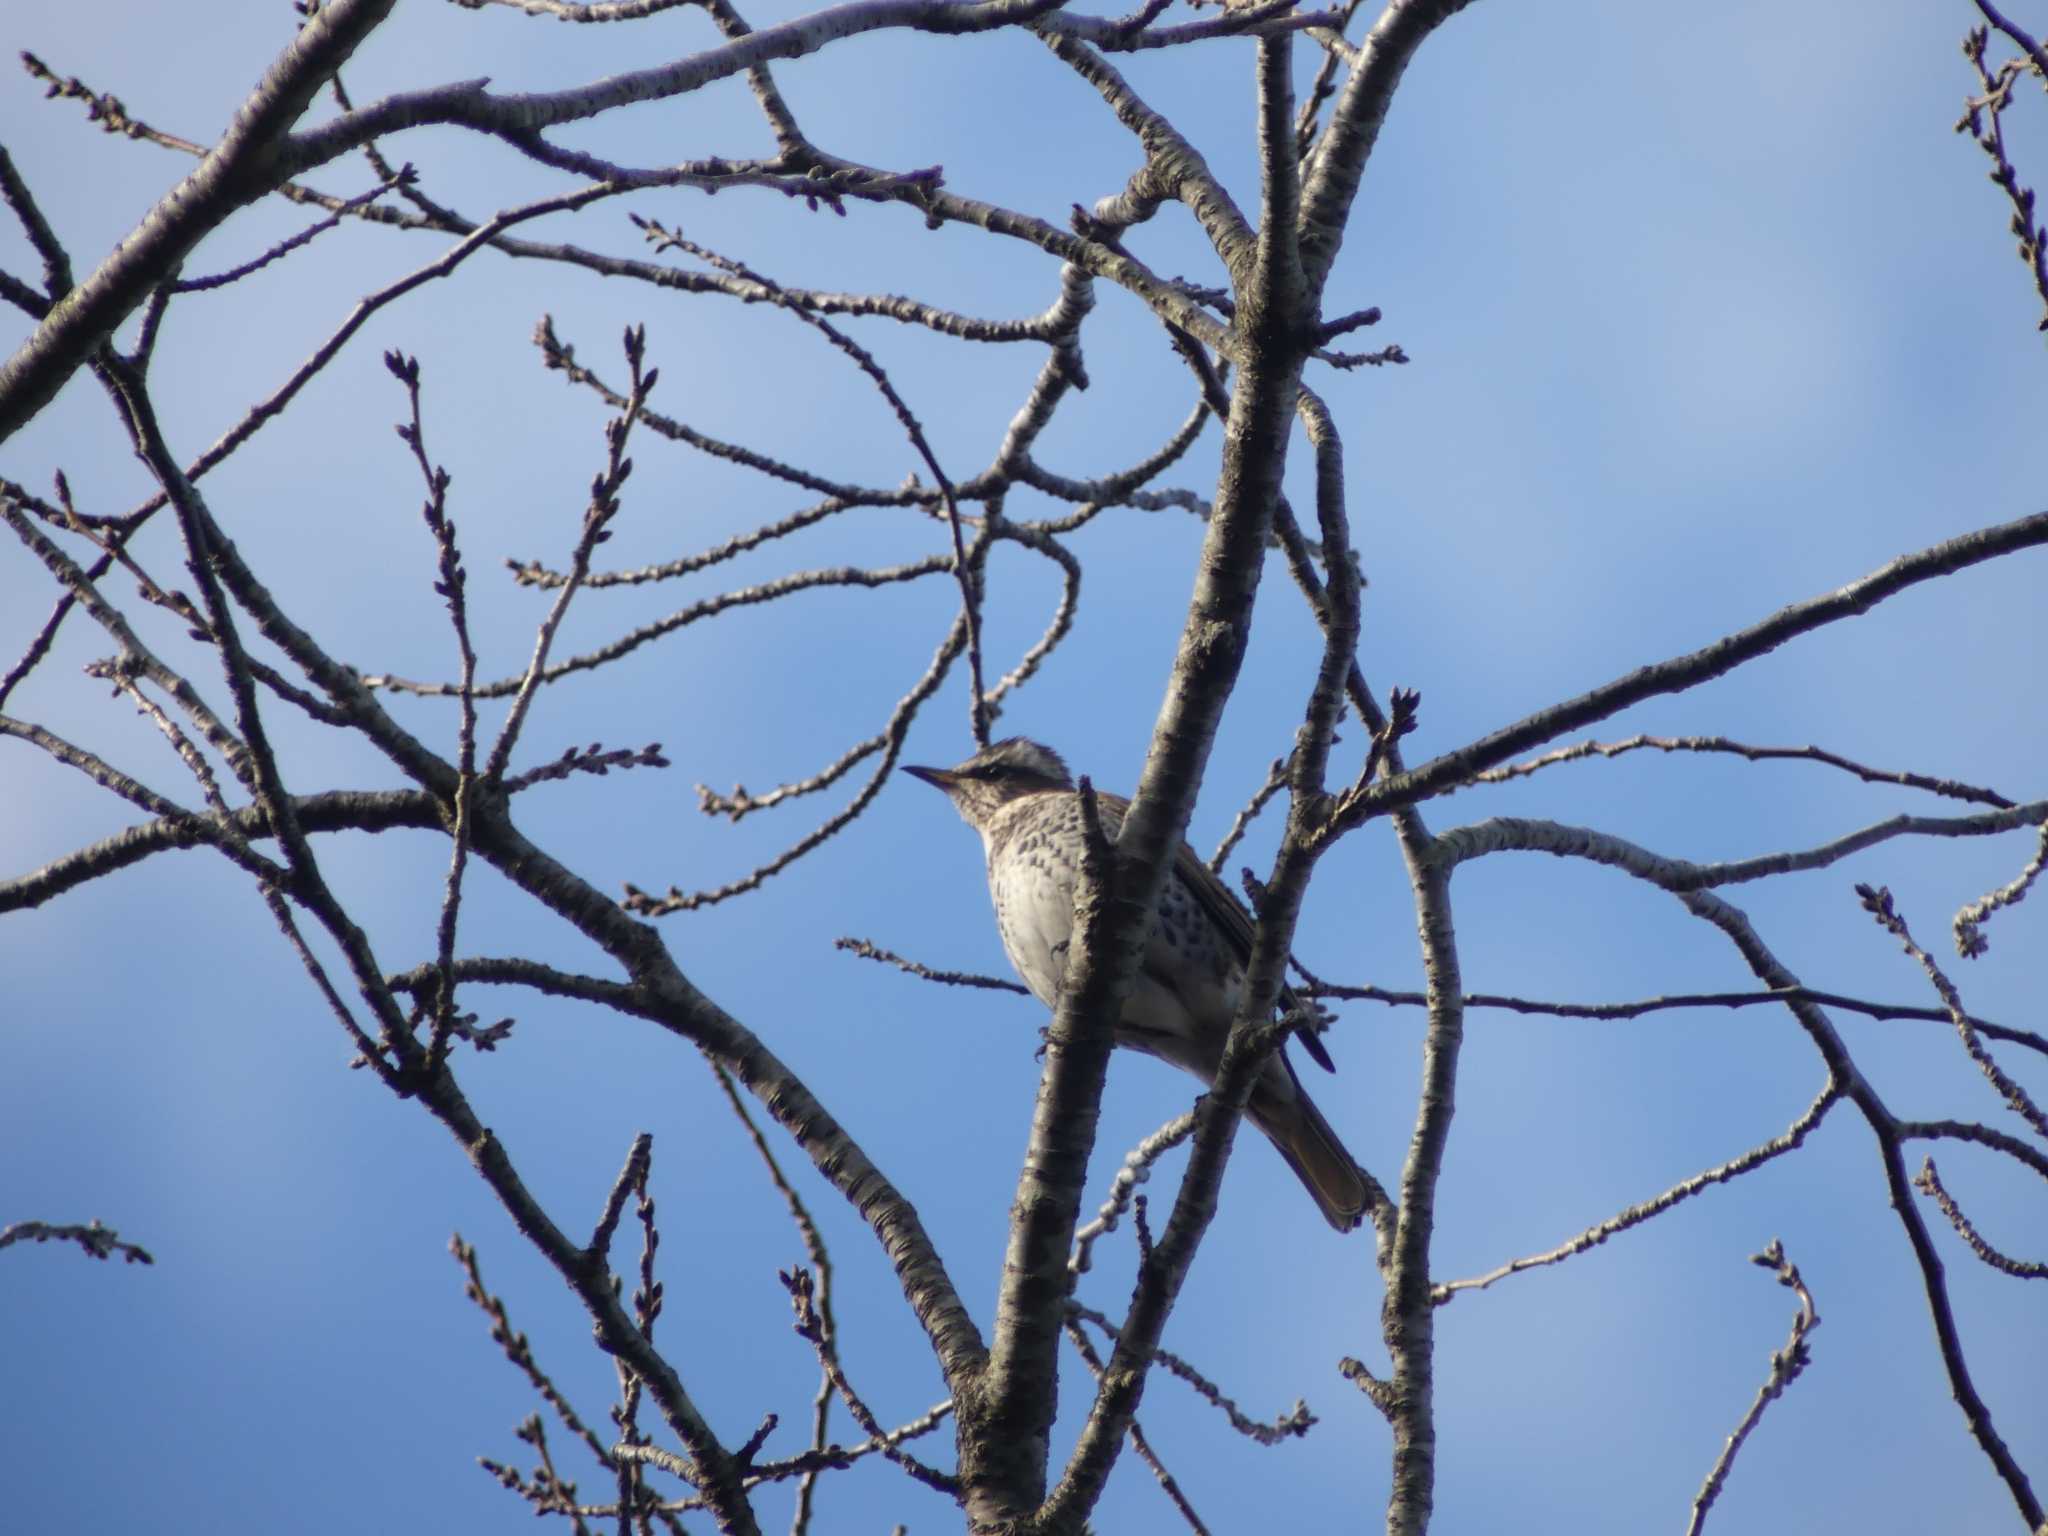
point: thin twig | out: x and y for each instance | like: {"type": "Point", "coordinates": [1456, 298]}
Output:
{"type": "Point", "coordinates": [1276, 780]}
{"type": "Point", "coordinates": [518, 1350]}
{"type": "Point", "coordinates": [1997, 96]}
{"type": "Point", "coordinates": [1969, 923]}
{"type": "Point", "coordinates": [966, 573]}
{"type": "Point", "coordinates": [821, 1263]}
{"type": "Point", "coordinates": [833, 1458]}
{"type": "Point", "coordinates": [1877, 901]}
{"type": "Point", "coordinates": [100, 1242]}
{"type": "Point", "coordinates": [1315, 987]}
{"type": "Point", "coordinates": [1636, 1215]}
{"type": "Point", "coordinates": [604, 506]}
{"type": "Point", "coordinates": [632, 1180]}
{"type": "Point", "coordinates": [869, 951]}
{"type": "Point", "coordinates": [1786, 1364]}
{"type": "Point", "coordinates": [1296, 1422]}
{"type": "Point", "coordinates": [403, 176]}
{"type": "Point", "coordinates": [1168, 1483]}
{"type": "Point", "coordinates": [1952, 788]}
{"type": "Point", "coordinates": [810, 1326]}
{"type": "Point", "coordinates": [1135, 1170]}
{"type": "Point", "coordinates": [451, 584]}
{"type": "Point", "coordinates": [1929, 1183]}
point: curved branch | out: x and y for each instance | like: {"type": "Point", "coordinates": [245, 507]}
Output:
{"type": "Point", "coordinates": [1979, 1135]}
{"type": "Point", "coordinates": [889, 744]}
{"type": "Point", "coordinates": [98, 1241]}
{"type": "Point", "coordinates": [468, 104]}
{"type": "Point", "coordinates": [1889, 1132]}
{"type": "Point", "coordinates": [1174, 168]}
{"type": "Point", "coordinates": [1523, 834]}
{"type": "Point", "coordinates": [1786, 1365]}
{"type": "Point", "coordinates": [1928, 1182]}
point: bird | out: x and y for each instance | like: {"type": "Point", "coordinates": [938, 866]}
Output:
{"type": "Point", "coordinates": [1020, 797]}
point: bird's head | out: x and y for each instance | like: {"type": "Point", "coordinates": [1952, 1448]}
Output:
{"type": "Point", "coordinates": [999, 773]}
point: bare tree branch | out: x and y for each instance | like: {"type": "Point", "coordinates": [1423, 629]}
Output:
{"type": "Point", "coordinates": [1688, 671]}
{"type": "Point", "coordinates": [242, 167]}
{"type": "Point", "coordinates": [1636, 1215]}
{"type": "Point", "coordinates": [1318, 988]}
{"type": "Point", "coordinates": [1969, 923]}
{"type": "Point", "coordinates": [1951, 788]}
{"type": "Point", "coordinates": [869, 951]}
{"type": "Point", "coordinates": [1877, 901]}
{"type": "Point", "coordinates": [1990, 137]}
{"type": "Point", "coordinates": [98, 1241]}
{"type": "Point", "coordinates": [1786, 1364]}
{"type": "Point", "coordinates": [1928, 1182]}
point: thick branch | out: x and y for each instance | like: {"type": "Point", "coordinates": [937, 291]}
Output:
{"type": "Point", "coordinates": [241, 168]}
{"type": "Point", "coordinates": [1338, 163]}
{"type": "Point", "coordinates": [1004, 1474]}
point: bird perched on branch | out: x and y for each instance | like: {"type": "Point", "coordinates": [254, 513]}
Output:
{"type": "Point", "coordinates": [1020, 798]}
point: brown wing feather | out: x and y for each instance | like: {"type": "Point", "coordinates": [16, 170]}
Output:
{"type": "Point", "coordinates": [1223, 909]}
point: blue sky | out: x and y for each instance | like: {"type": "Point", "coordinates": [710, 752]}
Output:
{"type": "Point", "coordinates": [1710, 311]}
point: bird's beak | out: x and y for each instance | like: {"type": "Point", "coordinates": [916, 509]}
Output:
{"type": "Point", "coordinates": [938, 778]}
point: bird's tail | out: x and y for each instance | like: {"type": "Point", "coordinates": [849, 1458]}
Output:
{"type": "Point", "coordinates": [1315, 1154]}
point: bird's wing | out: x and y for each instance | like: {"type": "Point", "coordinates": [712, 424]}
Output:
{"type": "Point", "coordinates": [1225, 910]}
